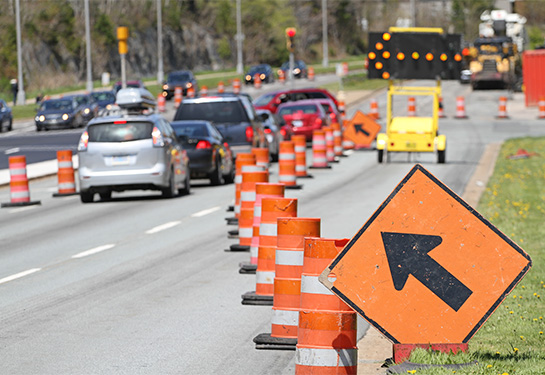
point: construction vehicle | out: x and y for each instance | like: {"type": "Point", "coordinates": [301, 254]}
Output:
{"type": "Point", "coordinates": [494, 58]}
{"type": "Point", "coordinates": [413, 53]}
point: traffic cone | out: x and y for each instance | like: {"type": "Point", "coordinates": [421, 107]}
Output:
{"type": "Point", "coordinates": [178, 94]}
{"type": "Point", "coordinates": [441, 112]}
{"type": "Point", "coordinates": [221, 87]}
{"type": "Point", "coordinates": [271, 210]}
{"type": "Point", "coordinates": [337, 139]}
{"type": "Point", "coordinates": [241, 160]}
{"type": "Point", "coordinates": [460, 108]}
{"type": "Point", "coordinates": [262, 190]}
{"type": "Point", "coordinates": [300, 143]}
{"type": "Point", "coordinates": [541, 107]}
{"type": "Point", "coordinates": [204, 91]}
{"type": "Point", "coordinates": [19, 192]}
{"type": "Point", "coordinates": [247, 200]}
{"type": "Point", "coordinates": [257, 81]}
{"type": "Point", "coordinates": [327, 332]}
{"type": "Point", "coordinates": [502, 108]}
{"type": "Point", "coordinates": [65, 174]}
{"type": "Point", "coordinates": [319, 150]}
{"type": "Point", "coordinates": [373, 112]}
{"type": "Point", "coordinates": [329, 145]}
{"type": "Point", "coordinates": [311, 73]}
{"type": "Point", "coordinates": [341, 107]}
{"type": "Point", "coordinates": [261, 156]}
{"type": "Point", "coordinates": [281, 77]}
{"type": "Point", "coordinates": [286, 165]}
{"type": "Point", "coordinates": [191, 92]}
{"type": "Point", "coordinates": [161, 103]}
{"type": "Point", "coordinates": [287, 282]}
{"type": "Point", "coordinates": [411, 107]}
{"type": "Point", "coordinates": [236, 85]}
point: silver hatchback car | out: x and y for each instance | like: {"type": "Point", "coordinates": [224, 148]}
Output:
{"type": "Point", "coordinates": [131, 150]}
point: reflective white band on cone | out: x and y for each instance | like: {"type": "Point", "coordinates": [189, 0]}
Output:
{"type": "Point", "coordinates": [290, 258]}
{"type": "Point", "coordinates": [311, 285]}
{"type": "Point", "coordinates": [247, 196]}
{"type": "Point", "coordinates": [266, 229]}
{"type": "Point", "coordinates": [245, 232]}
{"type": "Point", "coordinates": [326, 357]}
{"type": "Point", "coordinates": [264, 277]}
{"type": "Point", "coordinates": [285, 317]}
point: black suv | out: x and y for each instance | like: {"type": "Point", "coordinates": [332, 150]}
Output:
{"type": "Point", "coordinates": [233, 115]}
{"type": "Point", "coordinates": [181, 78]}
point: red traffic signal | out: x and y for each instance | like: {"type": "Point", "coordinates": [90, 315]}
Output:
{"type": "Point", "coordinates": [291, 31]}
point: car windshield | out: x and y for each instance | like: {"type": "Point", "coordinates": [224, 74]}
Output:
{"type": "Point", "coordinates": [257, 69]}
{"type": "Point", "coordinates": [56, 105]}
{"type": "Point", "coordinates": [297, 108]}
{"type": "Point", "coordinates": [263, 100]}
{"type": "Point", "coordinates": [126, 131]}
{"type": "Point", "coordinates": [216, 112]}
{"type": "Point", "coordinates": [103, 96]}
{"type": "Point", "coordinates": [177, 77]}
{"type": "Point", "coordinates": [190, 130]}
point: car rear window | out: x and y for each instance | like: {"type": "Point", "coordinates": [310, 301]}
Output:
{"type": "Point", "coordinates": [112, 132]}
{"type": "Point", "coordinates": [263, 100]}
{"type": "Point", "coordinates": [296, 108]}
{"type": "Point", "coordinates": [193, 130]}
{"type": "Point", "coordinates": [216, 112]}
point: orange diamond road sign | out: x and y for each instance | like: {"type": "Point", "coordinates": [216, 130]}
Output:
{"type": "Point", "coordinates": [362, 130]}
{"type": "Point", "coordinates": [426, 267]}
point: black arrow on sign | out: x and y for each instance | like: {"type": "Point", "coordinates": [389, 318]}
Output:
{"type": "Point", "coordinates": [359, 128]}
{"type": "Point", "coordinates": [408, 255]}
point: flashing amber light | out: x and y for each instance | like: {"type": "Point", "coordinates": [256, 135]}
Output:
{"type": "Point", "coordinates": [401, 56]}
{"type": "Point", "coordinates": [457, 57]}
{"type": "Point", "coordinates": [386, 36]}
{"type": "Point", "coordinates": [385, 75]}
{"type": "Point", "coordinates": [465, 51]}
{"type": "Point", "coordinates": [379, 65]}
{"type": "Point", "coordinates": [443, 57]}
{"type": "Point", "coordinates": [379, 46]}
{"type": "Point", "coordinates": [386, 54]}
{"type": "Point", "coordinates": [415, 55]}
{"type": "Point", "coordinates": [429, 56]}
{"type": "Point", "coordinates": [372, 55]}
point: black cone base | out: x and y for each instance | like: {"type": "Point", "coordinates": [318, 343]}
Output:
{"type": "Point", "coordinates": [266, 341]}
{"type": "Point", "coordinates": [251, 298]}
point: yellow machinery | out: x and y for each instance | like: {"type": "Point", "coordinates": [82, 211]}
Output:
{"type": "Point", "coordinates": [412, 134]}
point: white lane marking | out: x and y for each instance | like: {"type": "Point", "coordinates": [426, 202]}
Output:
{"type": "Point", "coordinates": [26, 208]}
{"type": "Point", "coordinates": [206, 212]}
{"type": "Point", "coordinates": [19, 275]}
{"type": "Point", "coordinates": [93, 251]}
{"type": "Point", "coordinates": [12, 150]}
{"type": "Point", "coordinates": [162, 227]}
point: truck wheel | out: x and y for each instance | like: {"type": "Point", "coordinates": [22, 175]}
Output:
{"type": "Point", "coordinates": [380, 155]}
{"type": "Point", "coordinates": [441, 156]}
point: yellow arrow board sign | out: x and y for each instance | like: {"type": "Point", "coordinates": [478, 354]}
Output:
{"type": "Point", "coordinates": [426, 267]}
{"type": "Point", "coordinates": [362, 130]}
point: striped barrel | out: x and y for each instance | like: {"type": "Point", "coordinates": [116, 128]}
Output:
{"type": "Point", "coordinates": [178, 94]}
{"type": "Point", "coordinates": [261, 156]}
{"type": "Point", "coordinates": [65, 173]}
{"type": "Point", "coordinates": [327, 332]}
{"type": "Point", "coordinates": [319, 151]}
{"type": "Point", "coordinates": [541, 107]}
{"type": "Point", "coordinates": [191, 92]}
{"type": "Point", "coordinates": [288, 269]}
{"type": "Point", "coordinates": [502, 108]}
{"type": "Point", "coordinates": [460, 107]}
{"type": "Point", "coordinates": [373, 112]}
{"type": "Point", "coordinates": [262, 190]}
{"type": "Point", "coordinates": [161, 103]}
{"type": "Point", "coordinates": [329, 144]}
{"type": "Point", "coordinates": [271, 210]}
{"type": "Point", "coordinates": [241, 160]}
{"type": "Point", "coordinates": [337, 139]}
{"type": "Point", "coordinates": [19, 192]}
{"type": "Point", "coordinates": [203, 91]}
{"type": "Point", "coordinates": [236, 85]}
{"type": "Point", "coordinates": [300, 147]}
{"type": "Point", "coordinates": [411, 106]}
{"type": "Point", "coordinates": [221, 87]}
{"type": "Point", "coordinates": [247, 200]}
{"type": "Point", "coordinates": [286, 163]}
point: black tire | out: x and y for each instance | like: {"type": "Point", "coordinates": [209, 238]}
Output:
{"type": "Point", "coordinates": [441, 156]}
{"type": "Point", "coordinates": [216, 177]}
{"type": "Point", "coordinates": [105, 195]}
{"type": "Point", "coordinates": [39, 128]}
{"type": "Point", "coordinates": [380, 156]}
{"type": "Point", "coordinates": [170, 191]}
{"type": "Point", "coordinates": [187, 185]}
{"type": "Point", "coordinates": [86, 196]}
{"type": "Point", "coordinates": [10, 126]}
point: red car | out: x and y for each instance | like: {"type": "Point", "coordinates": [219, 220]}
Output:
{"type": "Point", "coordinates": [272, 100]}
{"type": "Point", "coordinates": [304, 116]}
{"type": "Point", "coordinates": [331, 109]}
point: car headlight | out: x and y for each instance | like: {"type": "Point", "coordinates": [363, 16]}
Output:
{"type": "Point", "coordinates": [40, 118]}
{"type": "Point", "coordinates": [65, 116]}
{"type": "Point", "coordinates": [86, 111]}
{"type": "Point", "coordinates": [165, 87]}
{"type": "Point", "coordinates": [109, 106]}
{"type": "Point", "coordinates": [262, 76]}
{"type": "Point", "coordinates": [248, 77]}
{"type": "Point", "coordinates": [296, 71]}
{"type": "Point", "coordinates": [188, 85]}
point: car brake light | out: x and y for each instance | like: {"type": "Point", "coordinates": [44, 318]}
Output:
{"type": "Point", "coordinates": [283, 132]}
{"type": "Point", "coordinates": [318, 121]}
{"type": "Point", "coordinates": [203, 145]}
{"type": "Point", "coordinates": [226, 144]}
{"type": "Point", "coordinates": [83, 141]}
{"type": "Point", "coordinates": [268, 131]}
{"type": "Point", "coordinates": [249, 134]}
{"type": "Point", "coordinates": [120, 121]}
{"type": "Point", "coordinates": [157, 137]}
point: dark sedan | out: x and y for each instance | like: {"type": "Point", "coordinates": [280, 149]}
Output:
{"type": "Point", "coordinates": [70, 111]}
{"type": "Point", "coordinates": [181, 78]}
{"type": "Point", "coordinates": [264, 71]}
{"type": "Point", "coordinates": [104, 99]}
{"type": "Point", "coordinates": [6, 116]}
{"type": "Point", "coordinates": [209, 155]}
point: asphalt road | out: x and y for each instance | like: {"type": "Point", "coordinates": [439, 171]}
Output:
{"type": "Point", "coordinates": [142, 285]}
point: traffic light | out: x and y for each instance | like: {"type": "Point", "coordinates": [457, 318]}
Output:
{"type": "Point", "coordinates": [414, 54]}
{"type": "Point", "coordinates": [290, 35]}
{"type": "Point", "coordinates": [122, 36]}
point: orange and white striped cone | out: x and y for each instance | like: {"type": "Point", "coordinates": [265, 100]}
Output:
{"type": "Point", "coordinates": [178, 94]}
{"type": "Point", "coordinates": [281, 77]}
{"type": "Point", "coordinates": [236, 85]}
{"type": "Point", "coordinates": [327, 333]}
{"type": "Point", "coordinates": [502, 108]}
{"type": "Point", "coordinates": [373, 109]}
{"type": "Point", "coordinates": [65, 174]}
{"type": "Point", "coordinates": [287, 282]}
{"type": "Point", "coordinates": [286, 165]}
{"type": "Point", "coordinates": [262, 190]}
{"type": "Point", "coordinates": [271, 210]}
{"type": "Point", "coordinates": [541, 107]}
{"type": "Point", "coordinates": [261, 156]}
{"type": "Point", "coordinates": [319, 150]}
{"type": "Point", "coordinates": [337, 139]}
{"type": "Point", "coordinates": [241, 160]}
{"type": "Point", "coordinates": [257, 81]}
{"type": "Point", "coordinates": [191, 92]}
{"type": "Point", "coordinates": [221, 87]}
{"type": "Point", "coordinates": [460, 108]}
{"type": "Point", "coordinates": [329, 145]}
{"type": "Point", "coordinates": [300, 147]}
{"type": "Point", "coordinates": [341, 107]}
{"type": "Point", "coordinates": [310, 73]}
{"type": "Point", "coordinates": [441, 110]}
{"type": "Point", "coordinates": [411, 107]}
{"type": "Point", "coordinates": [204, 91]}
{"type": "Point", "coordinates": [161, 103]}
{"type": "Point", "coordinates": [19, 191]}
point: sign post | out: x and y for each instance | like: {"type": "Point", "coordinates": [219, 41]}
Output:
{"type": "Point", "coordinates": [426, 269]}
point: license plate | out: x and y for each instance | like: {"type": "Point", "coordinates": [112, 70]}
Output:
{"type": "Point", "coordinates": [297, 123]}
{"type": "Point", "coordinates": [410, 144]}
{"type": "Point", "coordinates": [120, 160]}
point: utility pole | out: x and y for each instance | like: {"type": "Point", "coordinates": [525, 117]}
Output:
{"type": "Point", "coordinates": [239, 37]}
{"type": "Point", "coordinates": [160, 73]}
{"type": "Point", "coordinates": [21, 98]}
{"type": "Point", "coordinates": [325, 51]}
{"type": "Point", "coordinates": [88, 48]}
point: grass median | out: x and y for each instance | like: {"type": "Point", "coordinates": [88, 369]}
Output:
{"type": "Point", "coordinates": [512, 341]}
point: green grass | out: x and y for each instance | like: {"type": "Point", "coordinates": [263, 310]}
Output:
{"type": "Point", "coordinates": [512, 341]}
